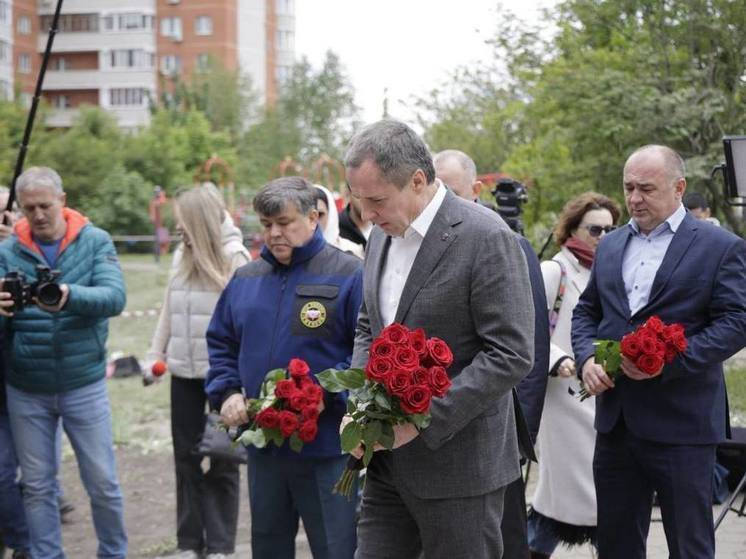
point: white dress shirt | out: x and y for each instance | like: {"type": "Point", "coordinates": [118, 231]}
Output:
{"type": "Point", "coordinates": [644, 255]}
{"type": "Point", "coordinates": [401, 254]}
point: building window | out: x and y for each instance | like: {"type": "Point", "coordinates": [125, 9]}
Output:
{"type": "Point", "coordinates": [3, 11]}
{"type": "Point", "coordinates": [24, 63]}
{"type": "Point", "coordinates": [171, 27]}
{"type": "Point", "coordinates": [4, 51]}
{"type": "Point", "coordinates": [60, 64]}
{"type": "Point", "coordinates": [203, 25]}
{"type": "Point", "coordinates": [130, 58]}
{"type": "Point", "coordinates": [24, 25]}
{"type": "Point", "coordinates": [284, 7]}
{"type": "Point", "coordinates": [203, 62]}
{"type": "Point", "coordinates": [62, 102]}
{"type": "Point", "coordinates": [77, 23]}
{"type": "Point", "coordinates": [285, 40]}
{"type": "Point", "coordinates": [127, 22]}
{"type": "Point", "coordinates": [171, 64]}
{"type": "Point", "coordinates": [5, 90]}
{"type": "Point", "coordinates": [282, 73]}
{"type": "Point", "coordinates": [126, 96]}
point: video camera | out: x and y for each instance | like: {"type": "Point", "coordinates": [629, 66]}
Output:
{"type": "Point", "coordinates": [45, 289]}
{"type": "Point", "coordinates": [510, 195]}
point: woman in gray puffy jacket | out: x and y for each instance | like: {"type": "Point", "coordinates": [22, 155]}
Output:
{"type": "Point", "coordinates": [211, 250]}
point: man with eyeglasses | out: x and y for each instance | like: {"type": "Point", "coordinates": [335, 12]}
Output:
{"type": "Point", "coordinates": [658, 433]}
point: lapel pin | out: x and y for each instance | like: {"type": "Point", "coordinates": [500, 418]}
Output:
{"type": "Point", "coordinates": [445, 236]}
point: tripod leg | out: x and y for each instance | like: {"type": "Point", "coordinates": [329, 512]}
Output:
{"type": "Point", "coordinates": [729, 502]}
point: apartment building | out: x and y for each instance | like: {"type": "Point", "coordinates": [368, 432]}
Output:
{"type": "Point", "coordinates": [118, 55]}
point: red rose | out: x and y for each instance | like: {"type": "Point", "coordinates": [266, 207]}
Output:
{"type": "Point", "coordinates": [285, 389]}
{"type": "Point", "coordinates": [655, 324]}
{"type": "Point", "coordinates": [313, 392]}
{"type": "Point", "coordinates": [302, 382]}
{"type": "Point", "coordinates": [379, 368]}
{"type": "Point", "coordinates": [679, 341]}
{"type": "Point", "coordinates": [406, 359]}
{"type": "Point", "coordinates": [631, 346]}
{"type": "Point", "coordinates": [439, 352]}
{"type": "Point", "coordinates": [307, 431]}
{"type": "Point", "coordinates": [398, 382]}
{"type": "Point", "coordinates": [649, 364]}
{"type": "Point", "coordinates": [418, 342]}
{"type": "Point", "coordinates": [439, 381]}
{"type": "Point", "coordinates": [421, 376]}
{"type": "Point", "coordinates": [288, 423]}
{"type": "Point", "coordinates": [298, 401]}
{"type": "Point", "coordinates": [670, 353]}
{"type": "Point", "coordinates": [416, 399]}
{"type": "Point", "coordinates": [268, 418]}
{"type": "Point", "coordinates": [382, 348]}
{"type": "Point", "coordinates": [395, 333]}
{"type": "Point", "coordinates": [648, 343]}
{"type": "Point", "coordinates": [311, 411]}
{"type": "Point", "coordinates": [298, 368]}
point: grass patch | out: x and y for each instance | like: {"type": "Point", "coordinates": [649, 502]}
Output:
{"type": "Point", "coordinates": [141, 415]}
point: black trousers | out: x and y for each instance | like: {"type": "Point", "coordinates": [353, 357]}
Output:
{"type": "Point", "coordinates": [206, 502]}
{"type": "Point", "coordinates": [514, 523]}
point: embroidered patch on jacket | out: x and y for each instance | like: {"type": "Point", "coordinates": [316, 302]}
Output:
{"type": "Point", "coordinates": [313, 314]}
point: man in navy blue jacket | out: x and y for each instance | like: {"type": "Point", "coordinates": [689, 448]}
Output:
{"type": "Point", "coordinates": [300, 299]}
{"type": "Point", "coordinates": [659, 432]}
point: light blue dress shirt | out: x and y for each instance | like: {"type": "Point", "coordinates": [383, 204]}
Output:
{"type": "Point", "coordinates": [644, 255]}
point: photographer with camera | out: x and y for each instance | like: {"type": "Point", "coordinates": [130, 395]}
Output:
{"type": "Point", "coordinates": [61, 282]}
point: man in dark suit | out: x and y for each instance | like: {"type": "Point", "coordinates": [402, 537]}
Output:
{"type": "Point", "coordinates": [659, 432]}
{"type": "Point", "coordinates": [453, 268]}
{"type": "Point", "coordinates": [459, 173]}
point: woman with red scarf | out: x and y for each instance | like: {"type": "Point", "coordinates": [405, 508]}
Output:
{"type": "Point", "coordinates": [564, 504]}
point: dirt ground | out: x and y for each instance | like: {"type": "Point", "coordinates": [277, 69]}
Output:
{"type": "Point", "coordinates": [148, 486]}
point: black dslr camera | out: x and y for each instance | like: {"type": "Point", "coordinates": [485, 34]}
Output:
{"type": "Point", "coordinates": [45, 289]}
{"type": "Point", "coordinates": [510, 195]}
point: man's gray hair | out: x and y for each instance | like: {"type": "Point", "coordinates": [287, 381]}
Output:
{"type": "Point", "coordinates": [395, 149]}
{"type": "Point", "coordinates": [35, 177]}
{"type": "Point", "coordinates": [466, 162]}
{"type": "Point", "coordinates": [675, 166]}
{"type": "Point", "coordinates": [273, 196]}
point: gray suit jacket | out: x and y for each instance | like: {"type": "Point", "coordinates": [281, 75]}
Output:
{"type": "Point", "coordinates": [468, 285]}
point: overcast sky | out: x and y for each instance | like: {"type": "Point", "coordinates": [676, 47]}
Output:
{"type": "Point", "coordinates": [407, 46]}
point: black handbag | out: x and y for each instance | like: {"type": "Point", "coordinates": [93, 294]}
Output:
{"type": "Point", "coordinates": [216, 443]}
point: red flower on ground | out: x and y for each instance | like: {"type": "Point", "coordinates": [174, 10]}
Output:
{"type": "Point", "coordinates": [298, 368]}
{"type": "Point", "coordinates": [288, 423]}
{"type": "Point", "coordinates": [416, 399]}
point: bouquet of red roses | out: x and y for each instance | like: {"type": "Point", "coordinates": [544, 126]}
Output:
{"type": "Point", "coordinates": [650, 347]}
{"type": "Point", "coordinates": [287, 408]}
{"type": "Point", "coordinates": [405, 371]}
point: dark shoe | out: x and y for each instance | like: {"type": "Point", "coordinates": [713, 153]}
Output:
{"type": "Point", "coordinates": [537, 555]}
{"type": "Point", "coordinates": [20, 554]}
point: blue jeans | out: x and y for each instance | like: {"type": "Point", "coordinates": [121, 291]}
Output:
{"type": "Point", "coordinates": [12, 518]}
{"type": "Point", "coordinates": [86, 418]}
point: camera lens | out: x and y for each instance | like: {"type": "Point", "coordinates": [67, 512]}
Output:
{"type": "Point", "coordinates": [49, 294]}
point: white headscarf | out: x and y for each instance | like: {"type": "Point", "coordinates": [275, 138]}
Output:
{"type": "Point", "coordinates": [331, 231]}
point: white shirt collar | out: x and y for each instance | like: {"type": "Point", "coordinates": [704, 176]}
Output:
{"type": "Point", "coordinates": [422, 222]}
{"type": "Point", "coordinates": [673, 222]}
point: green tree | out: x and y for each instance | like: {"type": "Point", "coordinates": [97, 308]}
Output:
{"type": "Point", "coordinates": [120, 204]}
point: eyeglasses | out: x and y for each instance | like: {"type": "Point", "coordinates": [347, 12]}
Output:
{"type": "Point", "coordinates": [596, 230]}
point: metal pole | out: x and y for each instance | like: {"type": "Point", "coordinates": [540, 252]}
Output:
{"type": "Point", "coordinates": [34, 106]}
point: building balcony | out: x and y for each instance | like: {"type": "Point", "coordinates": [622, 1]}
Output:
{"type": "Point", "coordinates": [86, 42]}
{"type": "Point", "coordinates": [127, 117]}
{"type": "Point", "coordinates": [99, 79]}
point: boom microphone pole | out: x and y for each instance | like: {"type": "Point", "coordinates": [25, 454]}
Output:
{"type": "Point", "coordinates": [34, 106]}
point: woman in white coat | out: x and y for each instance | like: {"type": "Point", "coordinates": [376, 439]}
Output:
{"type": "Point", "coordinates": [211, 250]}
{"type": "Point", "coordinates": [564, 504]}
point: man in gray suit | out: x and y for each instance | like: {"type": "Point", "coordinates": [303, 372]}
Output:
{"type": "Point", "coordinates": [456, 270]}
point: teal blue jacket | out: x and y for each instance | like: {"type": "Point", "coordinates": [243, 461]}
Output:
{"type": "Point", "coordinates": [55, 352]}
